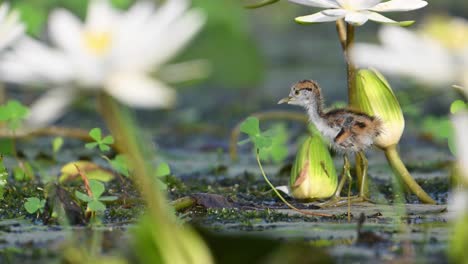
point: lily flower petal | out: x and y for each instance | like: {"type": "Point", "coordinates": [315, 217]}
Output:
{"type": "Point", "coordinates": [399, 5]}
{"type": "Point", "coordinates": [383, 19]}
{"type": "Point", "coordinates": [50, 107]}
{"type": "Point", "coordinates": [317, 3]}
{"type": "Point", "coordinates": [316, 18]}
{"type": "Point", "coordinates": [335, 12]}
{"type": "Point", "coordinates": [137, 90]}
{"type": "Point", "coordinates": [356, 18]}
{"type": "Point", "coordinates": [65, 30]}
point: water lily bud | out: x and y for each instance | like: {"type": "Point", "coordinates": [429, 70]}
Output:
{"type": "Point", "coordinates": [375, 97]}
{"type": "Point", "coordinates": [313, 174]}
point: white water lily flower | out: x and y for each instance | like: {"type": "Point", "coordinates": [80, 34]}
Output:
{"type": "Point", "coordinates": [112, 50]}
{"type": "Point", "coordinates": [436, 54]}
{"type": "Point", "coordinates": [357, 12]}
{"type": "Point", "coordinates": [10, 26]}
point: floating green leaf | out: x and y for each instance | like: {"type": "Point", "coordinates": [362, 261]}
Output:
{"type": "Point", "coordinates": [34, 204]}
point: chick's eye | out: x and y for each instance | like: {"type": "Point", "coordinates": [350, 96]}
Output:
{"type": "Point", "coordinates": [296, 92]}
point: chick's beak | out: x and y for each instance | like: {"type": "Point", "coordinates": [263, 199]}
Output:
{"type": "Point", "coordinates": [285, 100]}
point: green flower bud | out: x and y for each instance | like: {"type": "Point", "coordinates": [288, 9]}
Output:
{"type": "Point", "coordinates": [375, 97]}
{"type": "Point", "coordinates": [313, 174]}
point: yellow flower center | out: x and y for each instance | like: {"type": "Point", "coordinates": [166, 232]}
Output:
{"type": "Point", "coordinates": [97, 43]}
{"type": "Point", "coordinates": [451, 33]}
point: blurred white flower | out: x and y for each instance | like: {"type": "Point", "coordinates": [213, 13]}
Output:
{"type": "Point", "coordinates": [113, 51]}
{"type": "Point", "coordinates": [357, 12]}
{"type": "Point", "coordinates": [10, 26]}
{"type": "Point", "coordinates": [458, 199]}
{"type": "Point", "coordinates": [436, 54]}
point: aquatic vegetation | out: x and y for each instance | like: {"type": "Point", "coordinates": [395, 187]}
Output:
{"type": "Point", "coordinates": [34, 205]}
{"type": "Point", "coordinates": [94, 199]}
{"type": "Point", "coordinates": [101, 142]}
{"type": "Point", "coordinates": [103, 195]}
{"type": "Point", "coordinates": [313, 174]}
{"type": "Point", "coordinates": [13, 113]}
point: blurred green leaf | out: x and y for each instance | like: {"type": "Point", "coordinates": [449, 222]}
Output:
{"type": "Point", "coordinates": [458, 105]}
{"type": "Point", "coordinates": [251, 126]}
{"type": "Point", "coordinates": [96, 206]}
{"type": "Point", "coordinates": [108, 198]}
{"type": "Point", "coordinates": [6, 146]}
{"type": "Point", "coordinates": [83, 196]}
{"type": "Point", "coordinates": [34, 204]}
{"type": "Point", "coordinates": [119, 164]}
{"type": "Point", "coordinates": [97, 188]}
{"type": "Point", "coordinates": [23, 172]}
{"type": "Point", "coordinates": [13, 112]}
{"type": "Point", "coordinates": [57, 144]}
{"type": "Point", "coordinates": [270, 144]}
{"type": "Point", "coordinates": [163, 169]}
{"type": "Point", "coordinates": [227, 43]}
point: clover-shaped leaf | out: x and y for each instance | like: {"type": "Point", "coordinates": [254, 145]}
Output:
{"type": "Point", "coordinates": [102, 143]}
{"type": "Point", "coordinates": [270, 144]}
{"type": "Point", "coordinates": [94, 202]}
{"type": "Point", "coordinates": [34, 204]}
{"type": "Point", "coordinates": [13, 112]}
{"type": "Point", "coordinates": [277, 150]}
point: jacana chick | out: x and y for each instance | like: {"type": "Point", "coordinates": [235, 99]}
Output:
{"type": "Point", "coordinates": [349, 131]}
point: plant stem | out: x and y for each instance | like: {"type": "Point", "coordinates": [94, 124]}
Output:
{"type": "Point", "coordinates": [271, 115]}
{"type": "Point", "coordinates": [400, 170]}
{"type": "Point", "coordinates": [174, 244]}
{"type": "Point", "coordinates": [280, 196]}
{"type": "Point", "coordinates": [351, 69]}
